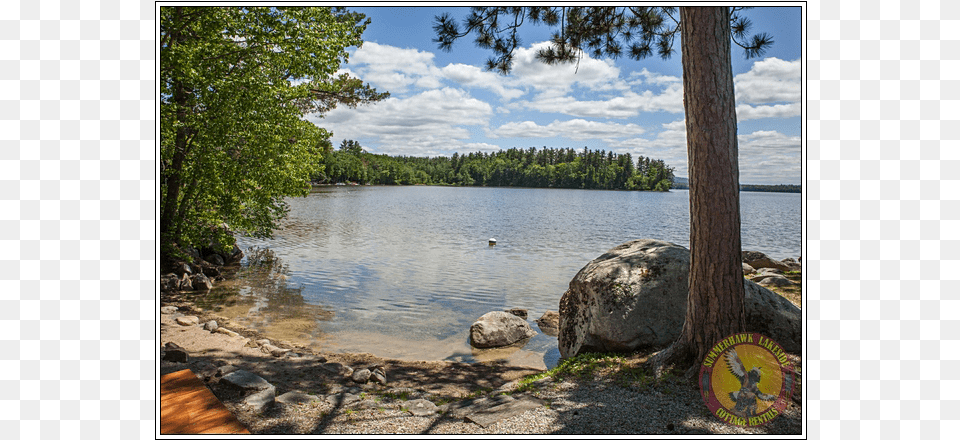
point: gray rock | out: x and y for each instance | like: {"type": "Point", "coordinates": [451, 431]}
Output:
{"type": "Point", "coordinates": [186, 283]}
{"type": "Point", "coordinates": [498, 329]}
{"type": "Point", "coordinates": [169, 282]}
{"type": "Point", "coordinates": [210, 325]}
{"type": "Point", "coordinates": [549, 323]}
{"type": "Point", "coordinates": [759, 260]}
{"type": "Point", "coordinates": [297, 398]}
{"type": "Point", "coordinates": [262, 400]}
{"type": "Point", "coordinates": [168, 310]}
{"type": "Point", "coordinates": [201, 282]}
{"type": "Point", "coordinates": [420, 407]}
{"type": "Point", "coordinates": [182, 268]}
{"type": "Point", "coordinates": [215, 259]}
{"type": "Point", "coordinates": [632, 296]}
{"type": "Point", "coordinates": [192, 252]}
{"type": "Point", "coordinates": [188, 320]}
{"type": "Point", "coordinates": [175, 355]}
{"type": "Point", "coordinates": [635, 296]}
{"type": "Point", "coordinates": [748, 269]}
{"type": "Point", "coordinates": [379, 375]}
{"type": "Point", "coordinates": [225, 370]}
{"type": "Point", "coordinates": [773, 316]}
{"type": "Point", "coordinates": [262, 342]}
{"type": "Point", "coordinates": [769, 271]}
{"type": "Point", "coordinates": [775, 281]}
{"type": "Point", "coordinates": [361, 376]}
{"type": "Point", "coordinates": [211, 271]}
{"type": "Point", "coordinates": [245, 381]}
{"type": "Point", "coordinates": [520, 313]}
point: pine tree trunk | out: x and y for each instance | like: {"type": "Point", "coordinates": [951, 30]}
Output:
{"type": "Point", "coordinates": [715, 302]}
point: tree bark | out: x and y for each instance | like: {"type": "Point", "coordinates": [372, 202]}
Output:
{"type": "Point", "coordinates": [715, 302]}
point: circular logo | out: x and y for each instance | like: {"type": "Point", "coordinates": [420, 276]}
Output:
{"type": "Point", "coordinates": [746, 380]}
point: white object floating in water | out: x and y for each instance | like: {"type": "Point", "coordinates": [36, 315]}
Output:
{"type": "Point", "coordinates": [493, 242]}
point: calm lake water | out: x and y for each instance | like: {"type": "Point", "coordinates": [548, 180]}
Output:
{"type": "Point", "coordinates": [402, 272]}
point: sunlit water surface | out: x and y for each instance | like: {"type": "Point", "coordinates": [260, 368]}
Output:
{"type": "Point", "coordinates": [402, 272]}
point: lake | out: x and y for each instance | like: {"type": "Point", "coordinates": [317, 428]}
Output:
{"type": "Point", "coordinates": [402, 272]}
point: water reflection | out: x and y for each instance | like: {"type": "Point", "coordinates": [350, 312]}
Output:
{"type": "Point", "coordinates": [261, 298]}
{"type": "Point", "coordinates": [403, 272]}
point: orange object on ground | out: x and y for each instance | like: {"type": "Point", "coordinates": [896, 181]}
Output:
{"type": "Point", "coordinates": [188, 407]}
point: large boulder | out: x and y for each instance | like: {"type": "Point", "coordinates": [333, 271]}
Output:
{"type": "Point", "coordinates": [635, 296]}
{"type": "Point", "coordinates": [627, 298]}
{"type": "Point", "coordinates": [498, 329]}
{"type": "Point", "coordinates": [759, 260]}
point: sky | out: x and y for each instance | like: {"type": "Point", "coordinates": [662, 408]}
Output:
{"type": "Point", "coordinates": [443, 103]}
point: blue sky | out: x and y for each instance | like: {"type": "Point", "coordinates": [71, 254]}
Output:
{"type": "Point", "coordinates": [446, 102]}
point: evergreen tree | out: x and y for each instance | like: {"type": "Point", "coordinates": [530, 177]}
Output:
{"type": "Point", "coordinates": [715, 302]}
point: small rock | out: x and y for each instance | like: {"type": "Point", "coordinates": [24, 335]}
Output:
{"type": "Point", "coordinates": [176, 355]}
{"type": "Point", "coordinates": [777, 281]}
{"type": "Point", "coordinates": [210, 325]}
{"type": "Point", "coordinates": [361, 376]}
{"type": "Point", "coordinates": [215, 259]}
{"type": "Point", "coordinates": [748, 269]}
{"type": "Point", "coordinates": [225, 370]}
{"type": "Point", "coordinates": [769, 271]}
{"type": "Point", "coordinates": [549, 323]}
{"type": "Point", "coordinates": [168, 310]}
{"type": "Point", "coordinates": [211, 272]}
{"type": "Point", "coordinates": [188, 320]}
{"type": "Point", "coordinates": [245, 381]}
{"type": "Point", "coordinates": [420, 407]}
{"type": "Point", "coordinates": [185, 283]}
{"type": "Point", "coordinates": [227, 332]}
{"type": "Point", "coordinates": [379, 375]}
{"type": "Point", "coordinates": [201, 282]}
{"type": "Point", "coordinates": [262, 400]}
{"type": "Point", "coordinates": [522, 313]}
{"type": "Point", "coordinates": [343, 399]}
{"type": "Point", "coordinates": [263, 342]}
{"type": "Point", "coordinates": [169, 282]}
{"type": "Point", "coordinates": [171, 345]}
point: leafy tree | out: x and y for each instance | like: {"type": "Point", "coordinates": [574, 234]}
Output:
{"type": "Point", "coordinates": [235, 83]}
{"type": "Point", "coordinates": [715, 302]}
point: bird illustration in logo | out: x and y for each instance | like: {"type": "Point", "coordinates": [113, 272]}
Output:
{"type": "Point", "coordinates": [745, 398]}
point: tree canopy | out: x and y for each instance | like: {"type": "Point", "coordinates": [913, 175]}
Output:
{"type": "Point", "coordinates": [235, 84]}
{"type": "Point", "coordinates": [532, 168]}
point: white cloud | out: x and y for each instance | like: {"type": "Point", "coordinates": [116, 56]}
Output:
{"type": "Point", "coordinates": [394, 69]}
{"type": "Point", "coordinates": [746, 111]}
{"type": "Point", "coordinates": [424, 124]}
{"type": "Point", "coordinates": [627, 105]}
{"type": "Point", "coordinates": [576, 129]}
{"type": "Point", "coordinates": [769, 80]}
{"type": "Point", "coordinates": [473, 76]}
{"type": "Point", "coordinates": [647, 77]}
{"type": "Point", "coordinates": [558, 79]}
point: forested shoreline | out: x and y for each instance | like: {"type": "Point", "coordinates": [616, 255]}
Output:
{"type": "Point", "coordinates": [533, 168]}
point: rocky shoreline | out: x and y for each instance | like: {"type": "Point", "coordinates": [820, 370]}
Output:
{"type": "Point", "coordinates": [276, 387]}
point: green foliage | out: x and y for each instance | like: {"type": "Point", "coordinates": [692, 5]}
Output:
{"type": "Point", "coordinates": [544, 168]}
{"type": "Point", "coordinates": [235, 83]}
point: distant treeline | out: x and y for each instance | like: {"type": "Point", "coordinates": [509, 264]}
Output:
{"type": "Point", "coordinates": [682, 184]}
{"type": "Point", "coordinates": [543, 168]}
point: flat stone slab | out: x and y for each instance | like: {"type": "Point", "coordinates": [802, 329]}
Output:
{"type": "Point", "coordinates": [246, 381]}
{"type": "Point", "coordinates": [262, 400]}
{"type": "Point", "coordinates": [488, 416]}
{"type": "Point", "coordinates": [420, 407]}
{"type": "Point", "coordinates": [227, 331]}
{"type": "Point", "coordinates": [168, 310]}
{"type": "Point", "coordinates": [297, 398]}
